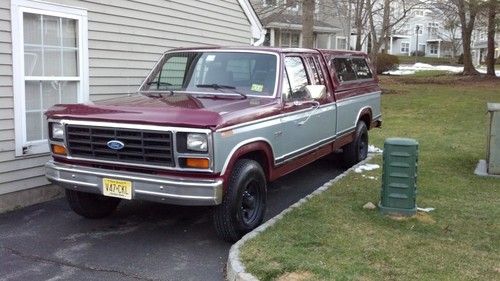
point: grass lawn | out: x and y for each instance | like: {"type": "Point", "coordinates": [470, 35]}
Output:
{"type": "Point", "coordinates": [332, 237]}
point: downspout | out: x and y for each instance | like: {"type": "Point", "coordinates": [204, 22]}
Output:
{"type": "Point", "coordinates": [258, 32]}
{"type": "Point", "coordinates": [262, 38]}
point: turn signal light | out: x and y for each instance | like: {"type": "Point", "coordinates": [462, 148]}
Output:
{"type": "Point", "coordinates": [58, 149]}
{"type": "Point", "coordinates": [198, 163]}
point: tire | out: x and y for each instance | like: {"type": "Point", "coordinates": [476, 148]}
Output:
{"type": "Point", "coordinates": [244, 203]}
{"type": "Point", "coordinates": [89, 205]}
{"type": "Point", "coordinates": [357, 150]}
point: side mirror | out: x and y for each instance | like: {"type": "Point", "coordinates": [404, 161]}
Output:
{"type": "Point", "coordinates": [316, 91]}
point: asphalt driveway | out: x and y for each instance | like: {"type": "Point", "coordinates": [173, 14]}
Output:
{"type": "Point", "coordinates": [141, 241]}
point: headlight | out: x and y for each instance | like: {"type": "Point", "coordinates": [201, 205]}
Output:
{"type": "Point", "coordinates": [197, 142]}
{"type": "Point", "coordinates": [56, 131]}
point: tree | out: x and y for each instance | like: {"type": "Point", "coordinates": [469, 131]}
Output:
{"type": "Point", "coordinates": [308, 7]}
{"type": "Point", "coordinates": [451, 26]}
{"type": "Point", "coordinates": [467, 11]}
{"type": "Point", "coordinates": [490, 57]}
{"type": "Point", "coordinates": [383, 15]}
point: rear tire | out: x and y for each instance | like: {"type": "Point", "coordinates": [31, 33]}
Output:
{"type": "Point", "coordinates": [357, 150]}
{"type": "Point", "coordinates": [89, 205]}
{"type": "Point", "coordinates": [244, 203]}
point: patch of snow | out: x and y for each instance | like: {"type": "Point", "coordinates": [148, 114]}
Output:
{"type": "Point", "coordinates": [366, 167]}
{"type": "Point", "coordinates": [410, 69]}
{"type": "Point", "coordinates": [374, 149]}
{"type": "Point", "coordinates": [369, 177]}
{"type": "Point", "coordinates": [427, 210]}
{"type": "Point", "coordinates": [399, 72]}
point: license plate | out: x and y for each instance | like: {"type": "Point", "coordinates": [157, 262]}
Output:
{"type": "Point", "coordinates": [117, 188]}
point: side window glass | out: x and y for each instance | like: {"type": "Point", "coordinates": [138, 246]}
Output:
{"type": "Point", "coordinates": [285, 90]}
{"type": "Point", "coordinates": [361, 68]}
{"type": "Point", "coordinates": [344, 70]}
{"type": "Point", "coordinates": [297, 76]}
{"type": "Point", "coordinates": [314, 70]}
{"type": "Point", "coordinates": [320, 72]}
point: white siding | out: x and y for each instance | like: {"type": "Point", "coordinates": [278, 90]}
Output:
{"type": "Point", "coordinates": [126, 37]}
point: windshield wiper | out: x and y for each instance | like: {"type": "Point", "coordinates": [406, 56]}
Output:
{"type": "Point", "coordinates": [158, 90]}
{"type": "Point", "coordinates": [219, 87]}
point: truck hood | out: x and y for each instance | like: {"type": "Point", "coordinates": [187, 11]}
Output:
{"type": "Point", "coordinates": [171, 110]}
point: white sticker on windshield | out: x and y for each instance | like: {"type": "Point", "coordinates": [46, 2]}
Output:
{"type": "Point", "coordinates": [210, 57]}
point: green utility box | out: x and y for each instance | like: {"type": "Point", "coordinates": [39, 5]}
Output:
{"type": "Point", "coordinates": [399, 177]}
{"type": "Point", "coordinates": [493, 149]}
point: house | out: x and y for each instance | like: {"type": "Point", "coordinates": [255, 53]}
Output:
{"type": "Point", "coordinates": [283, 21]}
{"type": "Point", "coordinates": [68, 51]}
{"type": "Point", "coordinates": [423, 30]}
{"type": "Point", "coordinates": [479, 46]}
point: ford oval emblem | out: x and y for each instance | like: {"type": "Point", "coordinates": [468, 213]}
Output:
{"type": "Point", "coordinates": [115, 144]}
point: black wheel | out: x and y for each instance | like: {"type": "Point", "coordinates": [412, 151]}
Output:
{"type": "Point", "coordinates": [89, 205]}
{"type": "Point", "coordinates": [357, 150]}
{"type": "Point", "coordinates": [244, 203]}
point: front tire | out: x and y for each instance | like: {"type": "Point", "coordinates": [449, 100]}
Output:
{"type": "Point", "coordinates": [357, 150]}
{"type": "Point", "coordinates": [244, 203]}
{"type": "Point", "coordinates": [89, 205]}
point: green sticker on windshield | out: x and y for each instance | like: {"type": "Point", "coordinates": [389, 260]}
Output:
{"type": "Point", "coordinates": [257, 87]}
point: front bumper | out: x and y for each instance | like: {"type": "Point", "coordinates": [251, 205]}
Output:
{"type": "Point", "coordinates": [169, 190]}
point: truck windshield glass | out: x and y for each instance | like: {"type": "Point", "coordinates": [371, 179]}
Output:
{"type": "Point", "coordinates": [223, 73]}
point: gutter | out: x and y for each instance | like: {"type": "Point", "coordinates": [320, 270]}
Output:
{"type": "Point", "coordinates": [256, 29]}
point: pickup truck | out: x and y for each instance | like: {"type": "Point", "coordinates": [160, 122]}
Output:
{"type": "Point", "coordinates": [212, 127]}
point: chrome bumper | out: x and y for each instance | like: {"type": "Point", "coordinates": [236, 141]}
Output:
{"type": "Point", "coordinates": [169, 190]}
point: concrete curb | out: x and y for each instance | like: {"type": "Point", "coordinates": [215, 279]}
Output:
{"type": "Point", "coordinates": [235, 268]}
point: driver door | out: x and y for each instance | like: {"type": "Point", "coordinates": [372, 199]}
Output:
{"type": "Point", "coordinates": [308, 118]}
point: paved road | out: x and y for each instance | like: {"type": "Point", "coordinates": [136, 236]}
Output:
{"type": "Point", "coordinates": [141, 241]}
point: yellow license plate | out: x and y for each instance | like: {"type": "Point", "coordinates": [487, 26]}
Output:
{"type": "Point", "coordinates": [117, 188]}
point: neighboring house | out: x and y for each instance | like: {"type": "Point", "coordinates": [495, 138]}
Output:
{"type": "Point", "coordinates": [283, 21]}
{"type": "Point", "coordinates": [423, 30]}
{"type": "Point", "coordinates": [68, 51]}
{"type": "Point", "coordinates": [480, 45]}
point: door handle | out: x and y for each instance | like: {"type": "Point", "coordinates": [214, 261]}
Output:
{"type": "Point", "coordinates": [315, 106]}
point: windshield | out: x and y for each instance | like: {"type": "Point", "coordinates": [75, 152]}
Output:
{"type": "Point", "coordinates": [215, 72]}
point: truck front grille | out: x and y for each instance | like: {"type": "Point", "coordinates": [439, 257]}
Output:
{"type": "Point", "coordinates": [140, 146]}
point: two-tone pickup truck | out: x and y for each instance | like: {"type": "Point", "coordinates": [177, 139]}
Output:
{"type": "Point", "coordinates": [213, 126]}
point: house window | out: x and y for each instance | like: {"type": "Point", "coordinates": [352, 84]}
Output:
{"type": "Point", "coordinates": [50, 66]}
{"type": "Point", "coordinates": [419, 13]}
{"type": "Point", "coordinates": [433, 49]}
{"type": "Point", "coordinates": [405, 47]}
{"type": "Point", "coordinates": [432, 28]}
{"type": "Point", "coordinates": [341, 43]}
{"type": "Point", "coordinates": [290, 39]}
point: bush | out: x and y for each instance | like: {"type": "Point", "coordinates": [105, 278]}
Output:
{"type": "Point", "coordinates": [460, 59]}
{"type": "Point", "coordinates": [386, 62]}
{"type": "Point", "coordinates": [419, 53]}
{"type": "Point", "coordinates": [498, 60]}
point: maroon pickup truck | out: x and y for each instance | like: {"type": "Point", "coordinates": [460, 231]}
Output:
{"type": "Point", "coordinates": [213, 126]}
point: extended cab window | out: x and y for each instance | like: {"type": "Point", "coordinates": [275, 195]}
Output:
{"type": "Point", "coordinates": [215, 72]}
{"type": "Point", "coordinates": [343, 68]}
{"type": "Point", "coordinates": [297, 78]}
{"type": "Point", "coordinates": [349, 69]}
{"type": "Point", "coordinates": [361, 68]}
